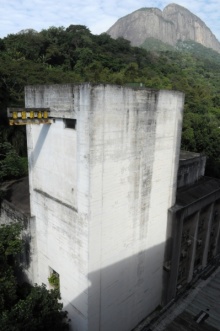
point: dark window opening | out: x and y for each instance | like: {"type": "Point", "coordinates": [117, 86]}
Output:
{"type": "Point", "coordinates": [70, 123]}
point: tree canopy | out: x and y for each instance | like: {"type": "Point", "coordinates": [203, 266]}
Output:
{"type": "Point", "coordinates": [24, 307]}
{"type": "Point", "coordinates": [75, 55]}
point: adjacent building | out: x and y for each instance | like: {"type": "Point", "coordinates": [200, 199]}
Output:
{"type": "Point", "coordinates": [194, 223]}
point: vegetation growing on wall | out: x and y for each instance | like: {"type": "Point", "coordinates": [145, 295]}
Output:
{"type": "Point", "coordinates": [74, 55]}
{"type": "Point", "coordinates": [54, 280]}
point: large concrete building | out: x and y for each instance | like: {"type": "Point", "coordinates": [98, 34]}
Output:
{"type": "Point", "coordinates": [116, 214]}
{"type": "Point", "coordinates": [102, 178]}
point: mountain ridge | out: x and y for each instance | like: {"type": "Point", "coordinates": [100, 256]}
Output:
{"type": "Point", "coordinates": [175, 23]}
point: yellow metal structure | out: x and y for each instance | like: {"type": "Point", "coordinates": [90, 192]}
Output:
{"type": "Point", "coordinates": [24, 116]}
{"type": "Point", "coordinates": [14, 115]}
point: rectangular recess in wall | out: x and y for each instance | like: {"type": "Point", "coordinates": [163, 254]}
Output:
{"type": "Point", "coordinates": [70, 123]}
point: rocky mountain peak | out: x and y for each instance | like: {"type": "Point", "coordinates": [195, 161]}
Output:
{"type": "Point", "coordinates": [174, 23]}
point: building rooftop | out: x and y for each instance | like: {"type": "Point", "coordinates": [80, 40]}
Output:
{"type": "Point", "coordinates": [201, 189]}
{"type": "Point", "coordinates": [17, 193]}
{"type": "Point", "coordinates": [185, 155]}
{"type": "Point", "coordinates": [198, 311]}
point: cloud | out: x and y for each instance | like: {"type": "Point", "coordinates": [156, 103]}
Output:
{"type": "Point", "coordinates": [97, 15]}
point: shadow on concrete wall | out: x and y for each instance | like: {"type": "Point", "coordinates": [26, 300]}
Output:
{"type": "Point", "coordinates": [39, 144]}
{"type": "Point", "coordinates": [121, 295]}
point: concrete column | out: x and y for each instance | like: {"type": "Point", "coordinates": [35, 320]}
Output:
{"type": "Point", "coordinates": [217, 240]}
{"type": "Point", "coordinates": [206, 249]}
{"type": "Point", "coordinates": [176, 251]}
{"type": "Point", "coordinates": [190, 275]}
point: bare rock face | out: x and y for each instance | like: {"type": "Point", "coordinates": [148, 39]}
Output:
{"type": "Point", "coordinates": [190, 27]}
{"type": "Point", "coordinates": [144, 23]}
{"type": "Point", "coordinates": [170, 25]}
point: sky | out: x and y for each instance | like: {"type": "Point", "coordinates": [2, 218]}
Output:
{"type": "Point", "coordinates": [97, 15]}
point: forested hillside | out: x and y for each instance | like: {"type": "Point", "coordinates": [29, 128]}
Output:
{"type": "Point", "coordinates": [74, 55]}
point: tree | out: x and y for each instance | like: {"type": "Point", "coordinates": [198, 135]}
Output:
{"type": "Point", "coordinates": [74, 55]}
{"type": "Point", "coordinates": [40, 310]}
{"type": "Point", "coordinates": [10, 246]}
{"type": "Point", "coordinates": [11, 164]}
{"type": "Point", "coordinates": [24, 307]}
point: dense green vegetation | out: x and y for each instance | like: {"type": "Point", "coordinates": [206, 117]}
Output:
{"type": "Point", "coordinates": [24, 307]}
{"type": "Point", "coordinates": [152, 44]}
{"type": "Point", "coordinates": [60, 55]}
{"type": "Point", "coordinates": [12, 165]}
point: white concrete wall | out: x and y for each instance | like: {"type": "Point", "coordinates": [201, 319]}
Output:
{"type": "Point", "coordinates": [106, 236]}
{"type": "Point", "coordinates": [134, 154]}
{"type": "Point", "coordinates": [58, 175]}
{"type": "Point", "coordinates": [59, 98]}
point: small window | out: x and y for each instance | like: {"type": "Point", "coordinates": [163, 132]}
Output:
{"type": "Point", "coordinates": [70, 123]}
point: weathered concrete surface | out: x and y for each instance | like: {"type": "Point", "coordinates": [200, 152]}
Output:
{"type": "Point", "coordinates": [59, 98]}
{"type": "Point", "coordinates": [100, 195]}
{"type": "Point", "coordinates": [191, 168]}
